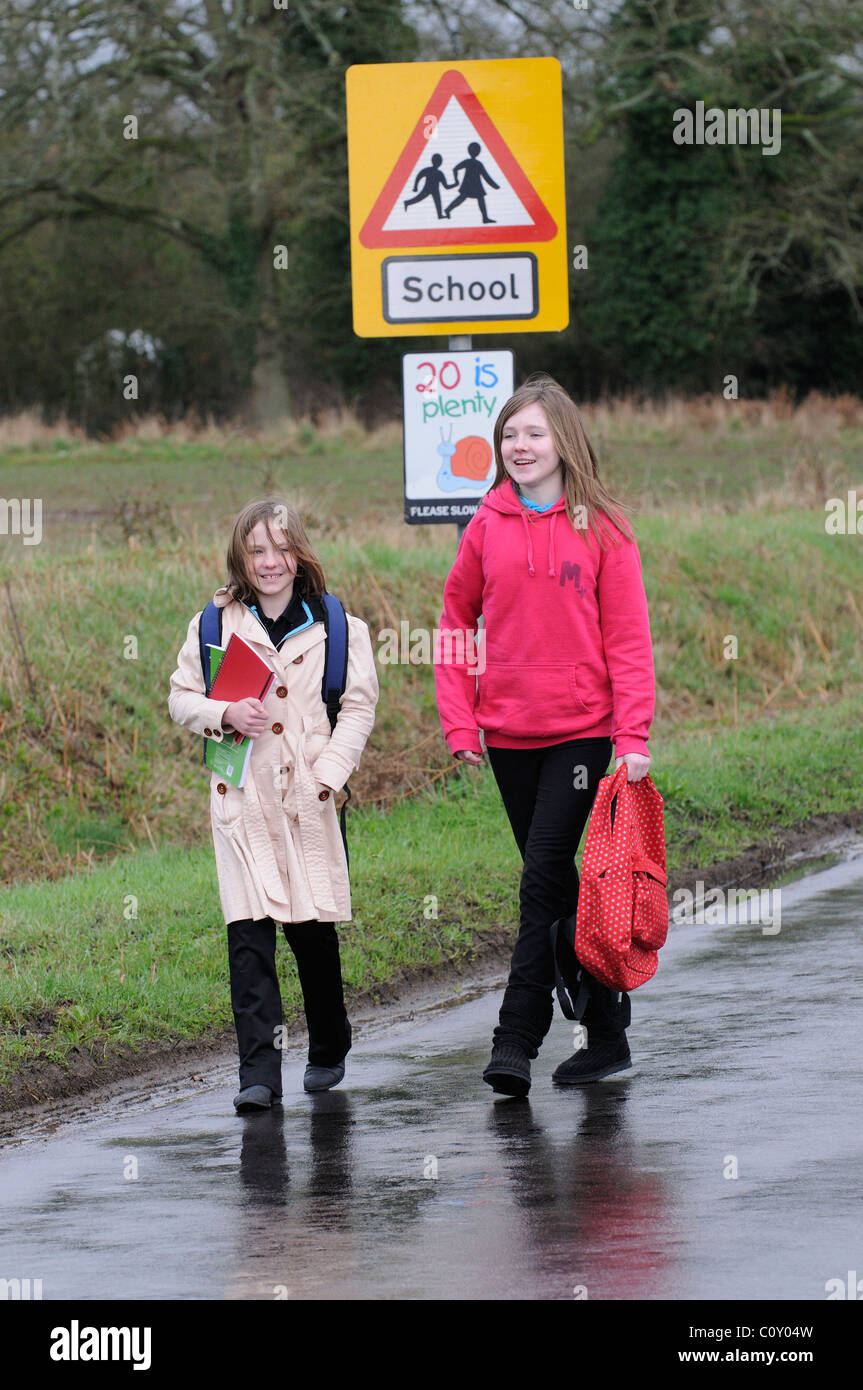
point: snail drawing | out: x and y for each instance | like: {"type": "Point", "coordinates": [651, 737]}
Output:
{"type": "Point", "coordinates": [464, 463]}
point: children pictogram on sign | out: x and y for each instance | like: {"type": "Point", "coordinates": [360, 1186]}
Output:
{"type": "Point", "coordinates": [471, 184]}
{"type": "Point", "coordinates": [496, 201]}
{"type": "Point", "coordinates": [433, 182]}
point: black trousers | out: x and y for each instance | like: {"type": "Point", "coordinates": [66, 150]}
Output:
{"type": "Point", "coordinates": [548, 794]}
{"type": "Point", "coordinates": [257, 1003]}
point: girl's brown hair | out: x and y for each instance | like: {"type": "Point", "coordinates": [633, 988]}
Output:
{"type": "Point", "coordinates": [275, 513]}
{"type": "Point", "coordinates": [581, 485]}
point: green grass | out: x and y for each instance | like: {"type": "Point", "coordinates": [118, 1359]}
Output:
{"type": "Point", "coordinates": [174, 489]}
{"type": "Point", "coordinates": [165, 489]}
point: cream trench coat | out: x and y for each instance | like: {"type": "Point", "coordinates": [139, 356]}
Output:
{"type": "Point", "coordinates": [278, 846]}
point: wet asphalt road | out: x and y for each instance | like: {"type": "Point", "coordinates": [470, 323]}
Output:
{"type": "Point", "coordinates": [413, 1182]}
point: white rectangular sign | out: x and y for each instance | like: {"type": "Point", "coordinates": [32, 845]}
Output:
{"type": "Point", "coordinates": [451, 402]}
{"type": "Point", "coordinates": [463, 288]}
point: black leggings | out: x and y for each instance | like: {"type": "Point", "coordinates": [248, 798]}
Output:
{"type": "Point", "coordinates": [548, 794]}
{"type": "Point", "coordinates": [257, 1003]}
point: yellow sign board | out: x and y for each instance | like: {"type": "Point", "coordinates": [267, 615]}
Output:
{"type": "Point", "coordinates": [458, 208]}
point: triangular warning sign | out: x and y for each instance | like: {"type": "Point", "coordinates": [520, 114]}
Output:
{"type": "Point", "coordinates": [456, 182]}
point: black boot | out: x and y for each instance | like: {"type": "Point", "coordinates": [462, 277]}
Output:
{"type": "Point", "coordinates": [601, 1058]}
{"type": "Point", "coordinates": [508, 1072]}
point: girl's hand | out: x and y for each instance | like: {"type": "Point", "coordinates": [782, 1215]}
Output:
{"type": "Point", "coordinates": [466, 757]}
{"type": "Point", "coordinates": [247, 716]}
{"type": "Point", "coordinates": [636, 765]}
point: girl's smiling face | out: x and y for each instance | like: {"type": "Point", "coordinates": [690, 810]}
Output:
{"type": "Point", "coordinates": [529, 455]}
{"type": "Point", "coordinates": [272, 568]}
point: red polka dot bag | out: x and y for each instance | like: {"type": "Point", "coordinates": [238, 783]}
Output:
{"type": "Point", "coordinates": [622, 917]}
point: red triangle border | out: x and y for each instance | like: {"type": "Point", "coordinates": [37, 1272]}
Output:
{"type": "Point", "coordinates": [454, 84]}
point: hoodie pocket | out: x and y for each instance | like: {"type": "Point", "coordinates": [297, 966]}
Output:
{"type": "Point", "coordinates": [526, 697]}
{"type": "Point", "coordinates": [576, 691]}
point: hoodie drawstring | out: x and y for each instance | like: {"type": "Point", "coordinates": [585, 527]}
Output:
{"type": "Point", "coordinates": [530, 569]}
{"type": "Point", "coordinates": [551, 520]}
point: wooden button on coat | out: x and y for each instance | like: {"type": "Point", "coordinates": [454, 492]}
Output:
{"type": "Point", "coordinates": [297, 660]}
{"type": "Point", "coordinates": [208, 733]}
{"type": "Point", "coordinates": [277, 728]}
{"type": "Point", "coordinates": [282, 691]}
{"type": "Point", "coordinates": [322, 796]}
{"type": "Point", "coordinates": [221, 789]}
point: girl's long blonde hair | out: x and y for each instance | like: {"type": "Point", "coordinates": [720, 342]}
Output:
{"type": "Point", "coordinates": [275, 512]}
{"type": "Point", "coordinates": [581, 484]}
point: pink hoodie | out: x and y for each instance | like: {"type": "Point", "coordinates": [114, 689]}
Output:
{"type": "Point", "coordinates": [567, 636]}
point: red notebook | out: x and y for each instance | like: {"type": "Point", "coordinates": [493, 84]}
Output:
{"type": "Point", "coordinates": [242, 673]}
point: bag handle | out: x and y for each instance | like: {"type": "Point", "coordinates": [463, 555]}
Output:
{"type": "Point", "coordinates": [618, 787]}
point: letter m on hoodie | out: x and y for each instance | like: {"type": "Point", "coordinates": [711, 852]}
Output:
{"type": "Point", "coordinates": [569, 570]}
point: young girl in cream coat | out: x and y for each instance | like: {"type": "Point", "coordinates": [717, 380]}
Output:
{"type": "Point", "coordinates": [280, 855]}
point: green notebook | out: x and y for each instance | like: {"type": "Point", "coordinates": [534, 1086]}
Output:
{"type": "Point", "coordinates": [227, 759]}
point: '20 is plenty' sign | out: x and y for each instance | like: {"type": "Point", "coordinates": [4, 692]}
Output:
{"type": "Point", "coordinates": [458, 212]}
{"type": "Point", "coordinates": [451, 402]}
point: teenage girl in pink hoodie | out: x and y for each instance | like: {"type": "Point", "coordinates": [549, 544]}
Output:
{"type": "Point", "coordinates": [565, 675]}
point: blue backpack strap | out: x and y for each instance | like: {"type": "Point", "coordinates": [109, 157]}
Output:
{"type": "Point", "coordinates": [336, 663]}
{"type": "Point", "coordinates": [209, 631]}
{"type": "Point", "coordinates": [335, 679]}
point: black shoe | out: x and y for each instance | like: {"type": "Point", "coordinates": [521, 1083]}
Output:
{"type": "Point", "coordinates": [322, 1078]}
{"type": "Point", "coordinates": [508, 1072]}
{"type": "Point", "coordinates": [255, 1098]}
{"type": "Point", "coordinates": [592, 1063]}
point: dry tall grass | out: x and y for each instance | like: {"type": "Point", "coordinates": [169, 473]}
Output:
{"type": "Point", "coordinates": [27, 428]}
{"type": "Point", "coordinates": [816, 417]}
{"type": "Point", "coordinates": [817, 413]}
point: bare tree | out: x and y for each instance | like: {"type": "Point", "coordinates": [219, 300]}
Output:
{"type": "Point", "coordinates": [212, 123]}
